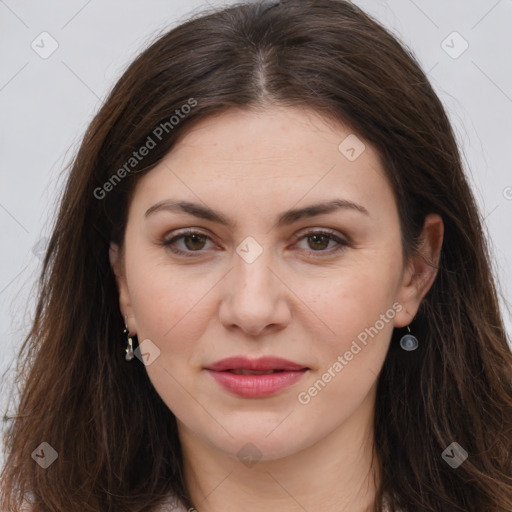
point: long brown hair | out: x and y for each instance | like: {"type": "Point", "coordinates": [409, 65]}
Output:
{"type": "Point", "coordinates": [116, 440]}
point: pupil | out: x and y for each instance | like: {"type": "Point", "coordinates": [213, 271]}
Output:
{"type": "Point", "coordinates": [316, 242]}
{"type": "Point", "coordinates": [196, 237]}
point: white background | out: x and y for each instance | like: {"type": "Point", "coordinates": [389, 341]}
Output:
{"type": "Point", "coordinates": [46, 104]}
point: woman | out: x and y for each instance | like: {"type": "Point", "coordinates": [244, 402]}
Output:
{"type": "Point", "coordinates": [267, 286]}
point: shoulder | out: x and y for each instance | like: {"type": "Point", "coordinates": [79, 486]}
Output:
{"type": "Point", "coordinates": [171, 504]}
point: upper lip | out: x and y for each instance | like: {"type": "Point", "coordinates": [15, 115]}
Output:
{"type": "Point", "coordinates": [263, 363]}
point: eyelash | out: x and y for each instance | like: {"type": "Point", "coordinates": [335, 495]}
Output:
{"type": "Point", "coordinates": [342, 244]}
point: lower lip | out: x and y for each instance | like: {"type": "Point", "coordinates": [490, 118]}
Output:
{"type": "Point", "coordinates": [256, 386]}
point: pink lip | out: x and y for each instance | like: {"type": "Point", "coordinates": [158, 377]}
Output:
{"type": "Point", "coordinates": [263, 363]}
{"type": "Point", "coordinates": [256, 386]}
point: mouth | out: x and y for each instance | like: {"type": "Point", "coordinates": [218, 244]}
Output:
{"type": "Point", "coordinates": [267, 364]}
{"type": "Point", "coordinates": [258, 378]}
{"type": "Point", "coordinates": [241, 371]}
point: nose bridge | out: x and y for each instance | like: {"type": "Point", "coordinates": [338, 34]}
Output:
{"type": "Point", "coordinates": [252, 275]}
{"type": "Point", "coordinates": [252, 293]}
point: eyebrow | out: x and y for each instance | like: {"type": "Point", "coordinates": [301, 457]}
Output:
{"type": "Point", "coordinates": [284, 219]}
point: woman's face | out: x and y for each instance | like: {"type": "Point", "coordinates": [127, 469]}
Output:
{"type": "Point", "coordinates": [265, 283]}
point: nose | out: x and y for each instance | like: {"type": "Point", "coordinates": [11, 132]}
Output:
{"type": "Point", "coordinates": [255, 298]}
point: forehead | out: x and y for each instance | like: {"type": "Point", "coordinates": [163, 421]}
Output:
{"type": "Point", "coordinates": [279, 156]}
{"type": "Point", "coordinates": [283, 133]}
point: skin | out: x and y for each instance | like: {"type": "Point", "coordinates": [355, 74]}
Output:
{"type": "Point", "coordinates": [298, 300]}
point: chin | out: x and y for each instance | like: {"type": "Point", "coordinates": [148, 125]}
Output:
{"type": "Point", "coordinates": [251, 450]}
{"type": "Point", "coordinates": [253, 440]}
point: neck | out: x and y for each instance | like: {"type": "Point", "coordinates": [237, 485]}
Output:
{"type": "Point", "coordinates": [339, 473]}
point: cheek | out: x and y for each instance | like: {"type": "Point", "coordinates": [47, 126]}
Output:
{"type": "Point", "coordinates": [359, 311]}
{"type": "Point", "coordinates": [168, 310]}
{"type": "Point", "coordinates": [353, 300]}
{"type": "Point", "coordinates": [162, 298]}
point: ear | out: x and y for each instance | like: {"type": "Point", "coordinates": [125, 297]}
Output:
{"type": "Point", "coordinates": [117, 263]}
{"type": "Point", "coordinates": [421, 272]}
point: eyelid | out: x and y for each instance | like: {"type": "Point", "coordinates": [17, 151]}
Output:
{"type": "Point", "coordinates": [176, 235]}
{"type": "Point", "coordinates": [335, 236]}
{"type": "Point", "coordinates": [318, 230]}
{"type": "Point", "coordinates": [340, 239]}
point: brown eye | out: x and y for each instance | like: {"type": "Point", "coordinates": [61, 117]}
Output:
{"type": "Point", "coordinates": [318, 242]}
{"type": "Point", "coordinates": [193, 242]}
{"type": "Point", "coordinates": [196, 241]}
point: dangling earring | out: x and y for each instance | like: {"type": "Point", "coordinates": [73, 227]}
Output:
{"type": "Point", "coordinates": [409, 342]}
{"type": "Point", "coordinates": [129, 349]}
